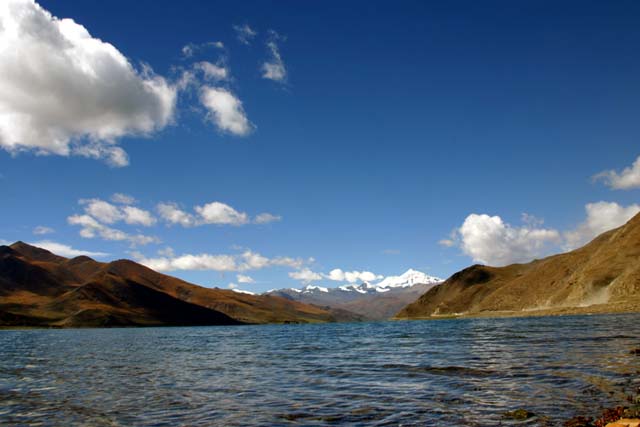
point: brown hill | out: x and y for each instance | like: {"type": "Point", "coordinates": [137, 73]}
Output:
{"type": "Point", "coordinates": [38, 288]}
{"type": "Point", "coordinates": [603, 276]}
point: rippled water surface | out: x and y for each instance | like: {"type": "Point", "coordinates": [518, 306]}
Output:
{"type": "Point", "coordinates": [449, 373]}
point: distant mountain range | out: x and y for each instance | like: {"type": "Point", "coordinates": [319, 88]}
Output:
{"type": "Point", "coordinates": [39, 288]}
{"type": "Point", "coordinates": [603, 276]}
{"type": "Point", "coordinates": [371, 301]}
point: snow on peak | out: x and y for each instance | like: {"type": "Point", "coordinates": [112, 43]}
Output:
{"type": "Point", "coordinates": [311, 288]}
{"type": "Point", "coordinates": [407, 279]}
{"type": "Point", "coordinates": [241, 291]}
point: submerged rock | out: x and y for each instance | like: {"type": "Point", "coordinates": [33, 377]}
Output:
{"type": "Point", "coordinates": [519, 414]}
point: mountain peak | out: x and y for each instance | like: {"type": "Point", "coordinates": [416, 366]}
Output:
{"type": "Point", "coordinates": [35, 253]}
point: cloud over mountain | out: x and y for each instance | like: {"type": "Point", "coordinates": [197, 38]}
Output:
{"type": "Point", "coordinates": [627, 179]}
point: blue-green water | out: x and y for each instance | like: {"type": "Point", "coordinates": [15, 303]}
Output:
{"type": "Point", "coordinates": [441, 373]}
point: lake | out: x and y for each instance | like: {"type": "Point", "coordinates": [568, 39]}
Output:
{"type": "Point", "coordinates": [441, 373]}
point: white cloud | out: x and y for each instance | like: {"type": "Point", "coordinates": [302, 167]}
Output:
{"type": "Point", "coordinates": [221, 214]}
{"type": "Point", "coordinates": [225, 110]}
{"type": "Point", "coordinates": [172, 214]}
{"type": "Point", "coordinates": [192, 48]}
{"type": "Point", "coordinates": [289, 262]}
{"type": "Point", "coordinates": [123, 199]}
{"type": "Point", "coordinates": [274, 68]}
{"type": "Point", "coordinates": [212, 71]}
{"type": "Point", "coordinates": [43, 230]}
{"type": "Point", "coordinates": [489, 240]}
{"type": "Point", "coordinates": [192, 262]}
{"type": "Point", "coordinates": [244, 279]}
{"type": "Point", "coordinates": [266, 218]}
{"type": "Point", "coordinates": [245, 33]}
{"type": "Point", "coordinates": [64, 92]}
{"type": "Point", "coordinates": [210, 213]}
{"type": "Point", "coordinates": [65, 250]}
{"type": "Point", "coordinates": [187, 51]}
{"type": "Point", "coordinates": [628, 179]}
{"type": "Point", "coordinates": [601, 217]}
{"type": "Point", "coordinates": [338, 275]}
{"type": "Point", "coordinates": [91, 228]}
{"type": "Point", "coordinates": [232, 286]}
{"type": "Point", "coordinates": [108, 213]}
{"type": "Point", "coordinates": [102, 211]}
{"type": "Point", "coordinates": [133, 215]}
{"type": "Point", "coordinates": [245, 261]}
{"type": "Point", "coordinates": [305, 275]}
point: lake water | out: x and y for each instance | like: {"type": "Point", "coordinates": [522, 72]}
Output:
{"type": "Point", "coordinates": [440, 373]}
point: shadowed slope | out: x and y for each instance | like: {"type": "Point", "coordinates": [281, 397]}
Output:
{"type": "Point", "coordinates": [39, 288]}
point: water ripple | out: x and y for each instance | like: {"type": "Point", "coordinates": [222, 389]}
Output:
{"type": "Point", "coordinates": [450, 372]}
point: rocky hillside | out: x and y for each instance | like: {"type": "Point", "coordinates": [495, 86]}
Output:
{"type": "Point", "coordinates": [603, 276]}
{"type": "Point", "coordinates": [38, 288]}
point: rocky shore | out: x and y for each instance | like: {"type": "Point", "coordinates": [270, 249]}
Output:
{"type": "Point", "coordinates": [624, 415]}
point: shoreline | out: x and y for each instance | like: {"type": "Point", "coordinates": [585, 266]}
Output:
{"type": "Point", "coordinates": [592, 310]}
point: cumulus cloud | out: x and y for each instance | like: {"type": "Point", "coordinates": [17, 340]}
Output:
{"type": "Point", "coordinates": [266, 218]}
{"type": "Point", "coordinates": [123, 199]}
{"type": "Point", "coordinates": [273, 68]}
{"type": "Point", "coordinates": [244, 279]}
{"type": "Point", "coordinates": [133, 215]}
{"type": "Point", "coordinates": [489, 240]}
{"type": "Point", "coordinates": [108, 213]}
{"type": "Point", "coordinates": [245, 261]}
{"type": "Point", "coordinates": [191, 262]}
{"type": "Point", "coordinates": [245, 33]}
{"type": "Point", "coordinates": [628, 179]}
{"type": "Point", "coordinates": [221, 214]}
{"type": "Point", "coordinates": [41, 229]}
{"type": "Point", "coordinates": [65, 92]}
{"type": "Point", "coordinates": [338, 275]}
{"type": "Point", "coordinates": [601, 217]}
{"type": "Point", "coordinates": [66, 250]}
{"type": "Point", "coordinates": [305, 275]}
{"type": "Point", "coordinates": [172, 214]}
{"type": "Point", "coordinates": [225, 111]}
{"type": "Point", "coordinates": [102, 211]}
{"type": "Point", "coordinates": [214, 72]}
{"type": "Point", "coordinates": [216, 213]}
{"type": "Point", "coordinates": [91, 228]}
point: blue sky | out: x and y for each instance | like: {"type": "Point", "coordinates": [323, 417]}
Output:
{"type": "Point", "coordinates": [384, 129]}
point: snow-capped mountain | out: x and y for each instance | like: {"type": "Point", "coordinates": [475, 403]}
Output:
{"type": "Point", "coordinates": [406, 280]}
{"type": "Point", "coordinates": [409, 278]}
{"type": "Point", "coordinates": [372, 300]}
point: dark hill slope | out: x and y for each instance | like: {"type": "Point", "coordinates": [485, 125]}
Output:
{"type": "Point", "coordinates": [38, 288]}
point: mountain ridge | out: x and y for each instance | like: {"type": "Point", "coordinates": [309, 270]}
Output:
{"type": "Point", "coordinates": [378, 301]}
{"type": "Point", "coordinates": [602, 276]}
{"type": "Point", "coordinates": [39, 288]}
